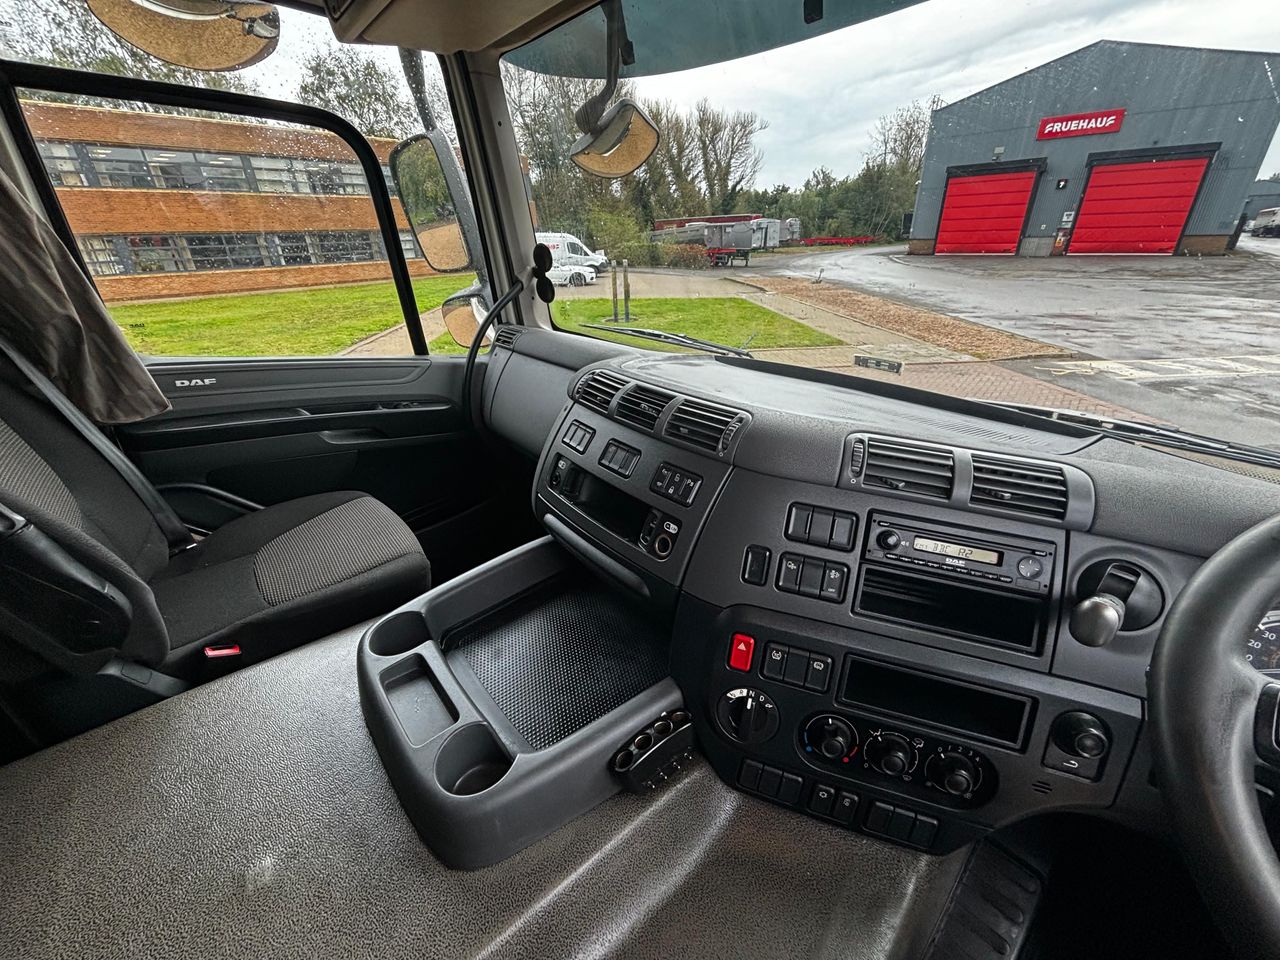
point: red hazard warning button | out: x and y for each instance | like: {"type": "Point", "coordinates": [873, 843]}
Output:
{"type": "Point", "coordinates": [740, 651]}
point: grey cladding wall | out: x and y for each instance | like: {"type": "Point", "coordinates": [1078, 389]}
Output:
{"type": "Point", "coordinates": [1172, 96]}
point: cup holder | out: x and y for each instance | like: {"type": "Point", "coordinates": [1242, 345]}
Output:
{"type": "Point", "coordinates": [398, 634]}
{"type": "Point", "coordinates": [470, 761]}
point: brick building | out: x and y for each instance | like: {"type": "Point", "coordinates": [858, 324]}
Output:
{"type": "Point", "coordinates": [166, 206]}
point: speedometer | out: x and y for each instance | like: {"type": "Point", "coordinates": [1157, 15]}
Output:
{"type": "Point", "coordinates": [1263, 648]}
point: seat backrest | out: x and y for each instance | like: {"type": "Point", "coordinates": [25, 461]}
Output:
{"type": "Point", "coordinates": [53, 477]}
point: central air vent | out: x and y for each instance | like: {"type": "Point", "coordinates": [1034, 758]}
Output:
{"type": "Point", "coordinates": [642, 406]}
{"type": "Point", "coordinates": [507, 336]}
{"type": "Point", "coordinates": [703, 425]}
{"type": "Point", "coordinates": [1034, 489]}
{"type": "Point", "coordinates": [598, 388]}
{"type": "Point", "coordinates": [909, 469]}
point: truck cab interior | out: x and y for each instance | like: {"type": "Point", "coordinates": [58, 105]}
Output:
{"type": "Point", "coordinates": [526, 642]}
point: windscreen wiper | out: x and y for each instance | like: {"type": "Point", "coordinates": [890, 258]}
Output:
{"type": "Point", "coordinates": [680, 339]}
{"type": "Point", "coordinates": [1136, 432]}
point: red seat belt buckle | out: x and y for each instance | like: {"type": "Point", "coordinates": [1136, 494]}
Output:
{"type": "Point", "coordinates": [222, 650]}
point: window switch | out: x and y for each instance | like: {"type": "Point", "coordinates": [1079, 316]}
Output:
{"type": "Point", "coordinates": [842, 530]}
{"type": "Point", "coordinates": [798, 522]}
{"type": "Point", "coordinates": [755, 565]}
{"type": "Point", "coordinates": [770, 781]}
{"type": "Point", "coordinates": [820, 527]}
{"type": "Point", "coordinates": [811, 577]}
{"type": "Point", "coordinates": [789, 792]}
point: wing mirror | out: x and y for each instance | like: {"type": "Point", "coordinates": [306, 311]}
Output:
{"type": "Point", "coordinates": [418, 172]}
{"type": "Point", "coordinates": [200, 34]}
{"type": "Point", "coordinates": [462, 314]}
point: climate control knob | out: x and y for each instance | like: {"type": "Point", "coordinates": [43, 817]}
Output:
{"type": "Point", "coordinates": [830, 737]}
{"type": "Point", "coordinates": [953, 773]}
{"type": "Point", "coordinates": [891, 754]}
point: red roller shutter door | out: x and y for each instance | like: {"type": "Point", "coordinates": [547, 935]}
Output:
{"type": "Point", "coordinates": [984, 214]}
{"type": "Point", "coordinates": [1137, 207]}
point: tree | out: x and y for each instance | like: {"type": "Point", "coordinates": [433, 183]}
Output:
{"type": "Point", "coordinates": [726, 147]}
{"type": "Point", "coordinates": [353, 84]}
{"type": "Point", "coordinates": [64, 34]}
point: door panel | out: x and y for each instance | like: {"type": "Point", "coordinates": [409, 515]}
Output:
{"type": "Point", "coordinates": [1137, 207]}
{"type": "Point", "coordinates": [984, 214]}
{"type": "Point", "coordinates": [246, 432]}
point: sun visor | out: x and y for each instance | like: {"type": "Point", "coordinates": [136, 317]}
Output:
{"type": "Point", "coordinates": [672, 35]}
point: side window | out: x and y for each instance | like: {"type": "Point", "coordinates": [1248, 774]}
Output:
{"type": "Point", "coordinates": [219, 235]}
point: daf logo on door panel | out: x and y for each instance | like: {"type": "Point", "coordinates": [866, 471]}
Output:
{"type": "Point", "coordinates": [206, 382]}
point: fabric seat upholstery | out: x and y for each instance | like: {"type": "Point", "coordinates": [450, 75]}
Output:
{"type": "Point", "coordinates": [266, 581]}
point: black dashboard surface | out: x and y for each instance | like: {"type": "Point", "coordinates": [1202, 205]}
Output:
{"type": "Point", "coordinates": [798, 438]}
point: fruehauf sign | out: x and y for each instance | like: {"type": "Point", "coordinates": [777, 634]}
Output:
{"type": "Point", "coordinates": [1080, 124]}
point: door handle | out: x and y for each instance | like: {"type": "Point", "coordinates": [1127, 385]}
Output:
{"type": "Point", "coordinates": [352, 437]}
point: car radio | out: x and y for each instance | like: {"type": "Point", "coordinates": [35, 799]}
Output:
{"type": "Point", "coordinates": [1015, 563]}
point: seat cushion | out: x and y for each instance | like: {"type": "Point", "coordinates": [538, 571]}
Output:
{"type": "Point", "coordinates": [284, 575]}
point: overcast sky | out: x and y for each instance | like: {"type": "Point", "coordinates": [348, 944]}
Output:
{"type": "Point", "coordinates": [821, 96]}
{"type": "Point", "coordinates": [824, 94]}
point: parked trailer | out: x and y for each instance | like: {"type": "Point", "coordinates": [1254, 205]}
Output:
{"type": "Point", "coordinates": [837, 241]}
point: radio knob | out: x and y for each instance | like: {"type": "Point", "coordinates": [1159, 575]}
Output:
{"type": "Point", "coordinates": [953, 772]}
{"type": "Point", "coordinates": [888, 539]}
{"type": "Point", "coordinates": [1030, 567]}
{"type": "Point", "coordinates": [830, 736]}
{"type": "Point", "coordinates": [891, 754]}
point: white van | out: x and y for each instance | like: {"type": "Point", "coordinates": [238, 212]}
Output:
{"type": "Point", "coordinates": [568, 251]}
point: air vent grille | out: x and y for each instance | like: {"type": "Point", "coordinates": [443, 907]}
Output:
{"type": "Point", "coordinates": [1034, 489]}
{"type": "Point", "coordinates": [642, 406]}
{"type": "Point", "coordinates": [598, 388]}
{"type": "Point", "coordinates": [906, 468]}
{"type": "Point", "coordinates": [507, 336]}
{"type": "Point", "coordinates": [703, 425]}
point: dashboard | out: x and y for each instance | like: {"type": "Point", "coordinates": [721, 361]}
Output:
{"type": "Point", "coordinates": [902, 614]}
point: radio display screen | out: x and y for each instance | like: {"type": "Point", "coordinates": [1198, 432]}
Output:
{"type": "Point", "coordinates": [957, 550]}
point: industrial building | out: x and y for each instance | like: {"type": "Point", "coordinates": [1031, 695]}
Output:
{"type": "Point", "coordinates": [165, 205]}
{"type": "Point", "coordinates": [1117, 148]}
{"type": "Point", "coordinates": [1263, 195]}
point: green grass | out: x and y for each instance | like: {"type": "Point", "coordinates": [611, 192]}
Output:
{"type": "Point", "coordinates": [317, 321]}
{"type": "Point", "coordinates": [729, 320]}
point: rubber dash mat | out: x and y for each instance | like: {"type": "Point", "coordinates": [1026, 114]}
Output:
{"type": "Point", "coordinates": [556, 661]}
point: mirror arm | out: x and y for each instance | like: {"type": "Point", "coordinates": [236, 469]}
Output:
{"type": "Point", "coordinates": [617, 49]}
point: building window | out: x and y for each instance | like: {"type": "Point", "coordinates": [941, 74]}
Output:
{"type": "Point", "coordinates": [390, 180]}
{"type": "Point", "coordinates": [409, 245]}
{"type": "Point", "coordinates": [346, 246]}
{"type": "Point", "coordinates": [335, 178]}
{"type": "Point", "coordinates": [279, 175]}
{"type": "Point", "coordinates": [225, 251]}
{"type": "Point", "coordinates": [62, 163]}
{"type": "Point", "coordinates": [120, 167]}
{"type": "Point", "coordinates": [102, 257]}
{"type": "Point", "coordinates": [293, 249]}
{"type": "Point", "coordinates": [156, 254]}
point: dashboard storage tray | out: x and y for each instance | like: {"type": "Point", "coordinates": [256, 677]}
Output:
{"type": "Point", "coordinates": [498, 699]}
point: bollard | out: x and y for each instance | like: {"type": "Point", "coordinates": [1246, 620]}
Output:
{"type": "Point", "coordinates": [613, 272]}
{"type": "Point", "coordinates": [626, 292]}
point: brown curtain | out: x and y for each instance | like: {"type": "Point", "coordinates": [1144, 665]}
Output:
{"type": "Point", "coordinates": [51, 313]}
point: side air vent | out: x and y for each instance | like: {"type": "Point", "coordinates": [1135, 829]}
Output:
{"type": "Point", "coordinates": [598, 388]}
{"type": "Point", "coordinates": [507, 336]}
{"type": "Point", "coordinates": [643, 405]}
{"type": "Point", "coordinates": [906, 468]}
{"type": "Point", "coordinates": [1033, 489]}
{"type": "Point", "coordinates": [704, 425]}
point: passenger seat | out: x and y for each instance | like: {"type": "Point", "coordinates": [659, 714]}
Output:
{"type": "Point", "coordinates": [263, 583]}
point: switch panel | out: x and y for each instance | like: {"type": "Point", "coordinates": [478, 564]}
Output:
{"type": "Point", "coordinates": [821, 527]}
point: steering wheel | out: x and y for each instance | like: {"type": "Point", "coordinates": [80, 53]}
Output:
{"type": "Point", "coordinates": [1213, 719]}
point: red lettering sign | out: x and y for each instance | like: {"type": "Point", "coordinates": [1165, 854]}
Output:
{"type": "Point", "coordinates": [1080, 124]}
